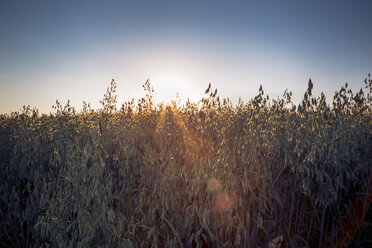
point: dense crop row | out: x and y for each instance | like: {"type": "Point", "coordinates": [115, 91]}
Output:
{"type": "Point", "coordinates": [210, 174]}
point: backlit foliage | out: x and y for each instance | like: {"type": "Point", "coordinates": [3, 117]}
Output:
{"type": "Point", "coordinates": [264, 173]}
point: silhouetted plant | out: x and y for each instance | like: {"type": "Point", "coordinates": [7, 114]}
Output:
{"type": "Point", "coordinates": [266, 173]}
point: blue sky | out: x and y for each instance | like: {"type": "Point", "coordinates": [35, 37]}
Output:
{"type": "Point", "coordinates": [72, 49]}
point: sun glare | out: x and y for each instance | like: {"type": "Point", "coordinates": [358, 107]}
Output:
{"type": "Point", "coordinates": [168, 86]}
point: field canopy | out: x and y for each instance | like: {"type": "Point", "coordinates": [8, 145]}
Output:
{"type": "Point", "coordinates": [207, 174]}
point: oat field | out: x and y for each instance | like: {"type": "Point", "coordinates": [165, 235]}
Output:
{"type": "Point", "coordinates": [262, 173]}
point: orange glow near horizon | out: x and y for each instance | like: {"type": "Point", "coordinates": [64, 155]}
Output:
{"type": "Point", "coordinates": [168, 86]}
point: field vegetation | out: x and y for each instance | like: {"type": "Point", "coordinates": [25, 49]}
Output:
{"type": "Point", "coordinates": [265, 173]}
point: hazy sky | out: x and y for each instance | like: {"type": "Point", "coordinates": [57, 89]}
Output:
{"type": "Point", "coordinates": [72, 49]}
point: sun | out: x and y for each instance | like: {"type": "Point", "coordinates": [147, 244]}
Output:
{"type": "Point", "coordinates": [168, 85]}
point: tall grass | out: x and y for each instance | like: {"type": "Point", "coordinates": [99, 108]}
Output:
{"type": "Point", "coordinates": [266, 173]}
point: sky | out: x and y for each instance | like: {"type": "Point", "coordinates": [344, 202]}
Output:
{"type": "Point", "coordinates": [70, 50]}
